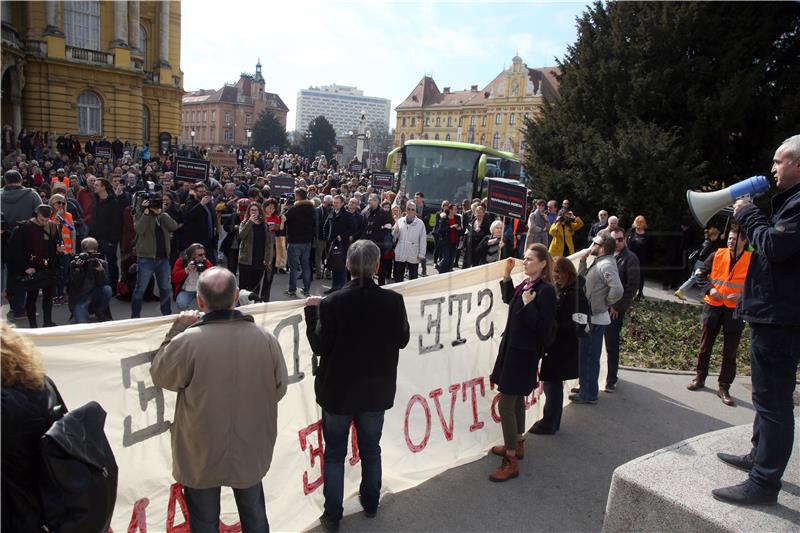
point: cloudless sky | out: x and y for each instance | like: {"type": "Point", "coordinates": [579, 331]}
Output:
{"type": "Point", "coordinates": [383, 48]}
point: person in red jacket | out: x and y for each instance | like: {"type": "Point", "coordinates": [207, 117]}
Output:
{"type": "Point", "coordinates": [185, 273]}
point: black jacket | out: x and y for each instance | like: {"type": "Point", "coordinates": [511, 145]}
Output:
{"type": "Point", "coordinates": [84, 278]}
{"type": "Point", "coordinates": [629, 272]}
{"type": "Point", "coordinates": [195, 223]}
{"type": "Point", "coordinates": [300, 222]}
{"type": "Point", "coordinates": [529, 330]}
{"type": "Point", "coordinates": [358, 361]}
{"type": "Point", "coordinates": [560, 361]}
{"type": "Point", "coordinates": [322, 217]}
{"type": "Point", "coordinates": [22, 248]}
{"type": "Point", "coordinates": [106, 219]}
{"type": "Point", "coordinates": [772, 287]}
{"type": "Point", "coordinates": [375, 220]}
{"type": "Point", "coordinates": [341, 224]}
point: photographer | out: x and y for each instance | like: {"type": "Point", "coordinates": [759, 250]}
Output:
{"type": "Point", "coordinates": [89, 285]}
{"type": "Point", "coordinates": [562, 230]}
{"type": "Point", "coordinates": [153, 232]}
{"type": "Point", "coordinates": [200, 219]}
{"type": "Point", "coordinates": [185, 274]}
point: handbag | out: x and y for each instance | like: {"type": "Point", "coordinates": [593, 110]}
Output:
{"type": "Point", "coordinates": [336, 257]}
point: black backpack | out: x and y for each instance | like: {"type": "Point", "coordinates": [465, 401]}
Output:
{"type": "Point", "coordinates": [79, 485]}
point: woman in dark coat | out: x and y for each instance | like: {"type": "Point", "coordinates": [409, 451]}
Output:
{"type": "Point", "coordinates": [477, 229]}
{"type": "Point", "coordinates": [560, 361]}
{"type": "Point", "coordinates": [530, 328]}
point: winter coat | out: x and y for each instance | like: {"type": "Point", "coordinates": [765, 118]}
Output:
{"type": "Point", "coordinates": [19, 204]}
{"type": "Point", "coordinates": [562, 244]}
{"type": "Point", "coordinates": [603, 287]}
{"type": "Point", "coordinates": [560, 360]}
{"type": "Point", "coordinates": [106, 219]}
{"type": "Point", "coordinates": [145, 226]}
{"type": "Point", "coordinates": [411, 240]}
{"type": "Point", "coordinates": [301, 222]}
{"type": "Point", "coordinates": [246, 244]}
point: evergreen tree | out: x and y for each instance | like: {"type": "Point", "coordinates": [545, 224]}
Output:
{"type": "Point", "coordinates": [323, 138]}
{"type": "Point", "coordinates": [268, 132]}
{"type": "Point", "coordinates": [657, 98]}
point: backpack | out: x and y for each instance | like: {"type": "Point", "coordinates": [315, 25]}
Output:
{"type": "Point", "coordinates": [79, 485]}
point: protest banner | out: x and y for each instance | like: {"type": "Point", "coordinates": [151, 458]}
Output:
{"type": "Point", "coordinates": [280, 185]}
{"type": "Point", "coordinates": [444, 415]}
{"type": "Point", "coordinates": [507, 198]}
{"type": "Point", "coordinates": [103, 151]}
{"type": "Point", "coordinates": [187, 169]}
{"type": "Point", "coordinates": [383, 180]}
{"type": "Point", "coordinates": [223, 159]}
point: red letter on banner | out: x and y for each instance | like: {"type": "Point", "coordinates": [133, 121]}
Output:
{"type": "Point", "coordinates": [315, 453]}
{"type": "Point", "coordinates": [472, 384]}
{"type": "Point", "coordinates": [447, 428]}
{"type": "Point", "coordinates": [495, 414]}
{"type": "Point", "coordinates": [416, 448]}
{"type": "Point", "coordinates": [176, 495]}
{"type": "Point", "coordinates": [139, 517]}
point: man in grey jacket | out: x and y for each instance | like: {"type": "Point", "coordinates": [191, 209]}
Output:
{"type": "Point", "coordinates": [603, 289]}
{"type": "Point", "coordinates": [538, 226]}
{"type": "Point", "coordinates": [628, 268]}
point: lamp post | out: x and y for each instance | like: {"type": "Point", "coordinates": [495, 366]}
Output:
{"type": "Point", "coordinates": [249, 134]}
{"type": "Point", "coordinates": [360, 137]}
{"type": "Point", "coordinates": [368, 163]}
{"type": "Point", "coordinates": [308, 135]}
{"type": "Point", "coordinates": [192, 134]}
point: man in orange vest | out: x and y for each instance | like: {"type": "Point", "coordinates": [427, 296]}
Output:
{"type": "Point", "coordinates": [722, 279]}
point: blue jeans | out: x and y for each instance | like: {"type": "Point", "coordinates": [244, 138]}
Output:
{"type": "Point", "coordinates": [612, 347]}
{"type": "Point", "coordinates": [335, 430]}
{"type": "Point", "coordinates": [589, 362]}
{"type": "Point", "coordinates": [774, 355]}
{"type": "Point", "coordinates": [203, 507]}
{"type": "Point", "coordinates": [186, 300]}
{"type": "Point", "coordinates": [299, 255]}
{"type": "Point", "coordinates": [146, 267]}
{"type": "Point", "coordinates": [99, 297]}
{"type": "Point", "coordinates": [448, 253]}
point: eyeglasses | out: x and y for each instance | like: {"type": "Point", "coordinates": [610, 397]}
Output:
{"type": "Point", "coordinates": [59, 203]}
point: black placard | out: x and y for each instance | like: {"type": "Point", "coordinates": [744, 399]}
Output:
{"type": "Point", "coordinates": [507, 198]}
{"type": "Point", "coordinates": [187, 169]}
{"type": "Point", "coordinates": [103, 151]}
{"type": "Point", "coordinates": [279, 185]}
{"type": "Point", "coordinates": [356, 168]}
{"type": "Point", "coordinates": [383, 180]}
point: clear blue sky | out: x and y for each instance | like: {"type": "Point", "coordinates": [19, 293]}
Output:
{"type": "Point", "coordinates": [382, 48]}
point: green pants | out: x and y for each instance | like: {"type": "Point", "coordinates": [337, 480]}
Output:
{"type": "Point", "coordinates": [512, 419]}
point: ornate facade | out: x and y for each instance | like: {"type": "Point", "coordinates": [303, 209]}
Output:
{"type": "Point", "coordinates": [492, 116]}
{"type": "Point", "coordinates": [93, 69]}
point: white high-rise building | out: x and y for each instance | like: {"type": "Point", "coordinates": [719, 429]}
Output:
{"type": "Point", "coordinates": [342, 106]}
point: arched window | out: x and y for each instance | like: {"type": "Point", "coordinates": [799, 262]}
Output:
{"type": "Point", "coordinates": [436, 137]}
{"type": "Point", "coordinates": [145, 124]}
{"type": "Point", "coordinates": [447, 137]}
{"type": "Point", "coordinates": [483, 139]}
{"type": "Point", "coordinates": [496, 141]}
{"type": "Point", "coordinates": [82, 24]}
{"type": "Point", "coordinates": [402, 139]}
{"type": "Point", "coordinates": [412, 137]}
{"type": "Point", "coordinates": [426, 136]}
{"type": "Point", "coordinates": [90, 114]}
{"type": "Point", "coordinates": [143, 43]}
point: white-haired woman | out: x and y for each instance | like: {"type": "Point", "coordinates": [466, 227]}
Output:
{"type": "Point", "coordinates": [491, 246]}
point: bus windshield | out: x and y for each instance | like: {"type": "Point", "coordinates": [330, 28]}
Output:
{"type": "Point", "coordinates": [442, 173]}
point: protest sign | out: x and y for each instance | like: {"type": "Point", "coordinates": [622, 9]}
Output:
{"type": "Point", "coordinates": [280, 185]}
{"type": "Point", "coordinates": [102, 151]}
{"type": "Point", "coordinates": [187, 169]}
{"type": "Point", "coordinates": [444, 415]}
{"type": "Point", "coordinates": [223, 159]}
{"type": "Point", "coordinates": [507, 198]}
{"type": "Point", "coordinates": [383, 180]}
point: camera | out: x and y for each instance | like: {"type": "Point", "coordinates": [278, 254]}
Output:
{"type": "Point", "coordinates": [153, 199]}
{"type": "Point", "coordinates": [199, 265]}
{"type": "Point", "coordinates": [90, 259]}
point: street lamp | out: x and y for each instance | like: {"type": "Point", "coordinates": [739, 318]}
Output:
{"type": "Point", "coordinates": [249, 134]}
{"type": "Point", "coordinates": [192, 134]}
{"type": "Point", "coordinates": [367, 135]}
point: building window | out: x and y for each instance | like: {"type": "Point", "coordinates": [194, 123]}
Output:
{"type": "Point", "coordinates": [205, 116]}
{"type": "Point", "coordinates": [497, 118]}
{"type": "Point", "coordinates": [143, 44]}
{"type": "Point", "coordinates": [438, 122]}
{"type": "Point", "coordinates": [483, 139]}
{"type": "Point", "coordinates": [82, 24]}
{"type": "Point", "coordinates": [496, 141]}
{"type": "Point", "coordinates": [512, 119]}
{"type": "Point", "coordinates": [426, 136]}
{"type": "Point", "coordinates": [145, 124]}
{"type": "Point", "coordinates": [413, 122]}
{"type": "Point", "coordinates": [213, 115]}
{"type": "Point", "coordinates": [227, 119]}
{"type": "Point", "coordinates": [412, 136]}
{"type": "Point", "coordinates": [404, 121]}
{"type": "Point", "coordinates": [89, 114]}
{"type": "Point", "coordinates": [447, 137]}
{"type": "Point", "coordinates": [436, 137]}
{"type": "Point", "coordinates": [449, 121]}
{"type": "Point", "coordinates": [473, 120]}
{"type": "Point", "coordinates": [228, 135]}
{"type": "Point", "coordinates": [483, 120]}
{"type": "Point", "coordinates": [247, 119]}
{"type": "Point", "coordinates": [402, 139]}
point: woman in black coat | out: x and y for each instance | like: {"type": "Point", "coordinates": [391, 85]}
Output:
{"type": "Point", "coordinates": [530, 328]}
{"type": "Point", "coordinates": [560, 361]}
{"type": "Point", "coordinates": [477, 229]}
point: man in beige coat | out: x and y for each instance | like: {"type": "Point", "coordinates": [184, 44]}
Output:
{"type": "Point", "coordinates": [230, 375]}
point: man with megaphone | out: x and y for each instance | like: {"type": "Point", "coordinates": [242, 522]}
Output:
{"type": "Point", "coordinates": [770, 303]}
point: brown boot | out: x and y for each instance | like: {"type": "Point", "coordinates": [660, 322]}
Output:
{"type": "Point", "coordinates": [697, 383]}
{"type": "Point", "coordinates": [723, 394]}
{"type": "Point", "coordinates": [508, 470]}
{"type": "Point", "coordinates": [520, 450]}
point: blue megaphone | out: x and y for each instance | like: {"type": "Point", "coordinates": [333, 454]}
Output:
{"type": "Point", "coordinates": [704, 205]}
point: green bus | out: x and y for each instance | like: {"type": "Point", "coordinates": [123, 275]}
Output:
{"type": "Point", "coordinates": [445, 170]}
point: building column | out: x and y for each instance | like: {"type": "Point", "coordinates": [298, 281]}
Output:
{"type": "Point", "coordinates": [133, 26]}
{"type": "Point", "coordinates": [163, 34]}
{"type": "Point", "coordinates": [54, 25]}
{"type": "Point", "coordinates": [120, 25]}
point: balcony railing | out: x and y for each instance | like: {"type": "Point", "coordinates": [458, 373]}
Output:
{"type": "Point", "coordinates": [137, 63]}
{"type": "Point", "coordinates": [89, 56]}
{"type": "Point", "coordinates": [37, 48]}
{"type": "Point", "coordinates": [10, 37]}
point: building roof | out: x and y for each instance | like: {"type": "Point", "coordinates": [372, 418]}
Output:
{"type": "Point", "coordinates": [229, 94]}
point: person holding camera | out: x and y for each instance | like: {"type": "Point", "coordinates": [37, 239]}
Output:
{"type": "Point", "coordinates": [185, 273]}
{"type": "Point", "coordinates": [153, 230]}
{"type": "Point", "coordinates": [200, 219]}
{"type": "Point", "coordinates": [35, 247]}
{"type": "Point", "coordinates": [562, 230]}
{"type": "Point", "coordinates": [89, 286]}
{"type": "Point", "coordinates": [256, 253]}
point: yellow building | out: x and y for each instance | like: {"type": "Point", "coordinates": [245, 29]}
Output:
{"type": "Point", "coordinates": [93, 69]}
{"type": "Point", "coordinates": [493, 116]}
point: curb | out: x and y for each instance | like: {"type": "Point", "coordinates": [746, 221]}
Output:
{"type": "Point", "coordinates": [669, 372]}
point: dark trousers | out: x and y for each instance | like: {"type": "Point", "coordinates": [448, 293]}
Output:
{"type": "Point", "coordinates": [511, 408]}
{"type": "Point", "coordinates": [612, 347]}
{"type": "Point", "coordinates": [109, 251]}
{"type": "Point", "coordinates": [730, 343]}
{"type": "Point", "coordinates": [385, 271]}
{"type": "Point", "coordinates": [774, 355]}
{"type": "Point", "coordinates": [335, 430]}
{"type": "Point", "coordinates": [400, 270]}
{"type": "Point", "coordinates": [203, 507]}
{"type": "Point", "coordinates": [553, 404]}
{"type": "Point", "coordinates": [250, 278]}
{"type": "Point", "coordinates": [47, 304]}
{"type": "Point", "coordinates": [448, 255]}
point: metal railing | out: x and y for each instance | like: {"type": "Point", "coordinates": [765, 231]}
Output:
{"type": "Point", "coordinates": [89, 56]}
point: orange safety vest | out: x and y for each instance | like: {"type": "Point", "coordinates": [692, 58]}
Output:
{"type": "Point", "coordinates": [66, 235]}
{"type": "Point", "coordinates": [726, 281]}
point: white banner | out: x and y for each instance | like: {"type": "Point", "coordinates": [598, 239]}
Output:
{"type": "Point", "coordinates": [445, 411]}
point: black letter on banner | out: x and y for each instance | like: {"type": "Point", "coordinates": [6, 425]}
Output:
{"type": "Point", "coordinates": [460, 298]}
{"type": "Point", "coordinates": [146, 394]}
{"type": "Point", "coordinates": [293, 321]}
{"type": "Point", "coordinates": [432, 323]}
{"type": "Point", "coordinates": [481, 294]}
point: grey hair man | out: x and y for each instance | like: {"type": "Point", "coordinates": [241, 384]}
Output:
{"type": "Point", "coordinates": [356, 379]}
{"type": "Point", "coordinates": [600, 225]}
{"type": "Point", "coordinates": [229, 374]}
